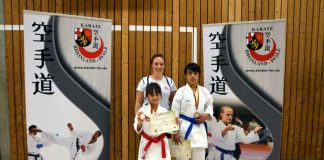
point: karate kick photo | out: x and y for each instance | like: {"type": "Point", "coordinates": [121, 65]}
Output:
{"type": "Point", "coordinates": [79, 141]}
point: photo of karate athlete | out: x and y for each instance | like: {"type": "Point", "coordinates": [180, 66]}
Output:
{"type": "Point", "coordinates": [34, 143]}
{"type": "Point", "coordinates": [168, 87]}
{"type": "Point", "coordinates": [79, 141]}
{"type": "Point", "coordinates": [152, 146]}
{"type": "Point", "coordinates": [224, 136]}
{"type": "Point", "coordinates": [194, 105]}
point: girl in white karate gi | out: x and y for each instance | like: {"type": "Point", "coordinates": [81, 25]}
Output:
{"type": "Point", "coordinates": [224, 135]}
{"type": "Point", "coordinates": [152, 146]}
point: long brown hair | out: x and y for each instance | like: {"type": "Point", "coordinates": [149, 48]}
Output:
{"type": "Point", "coordinates": [156, 56]}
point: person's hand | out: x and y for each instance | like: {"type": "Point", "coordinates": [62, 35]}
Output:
{"type": "Point", "coordinates": [140, 117]}
{"type": "Point", "coordinates": [177, 138]}
{"type": "Point", "coordinates": [83, 148]}
{"type": "Point", "coordinates": [202, 117]}
{"type": "Point", "coordinates": [70, 126]}
{"type": "Point", "coordinates": [257, 129]}
{"type": "Point", "coordinates": [177, 121]}
{"type": "Point", "coordinates": [229, 127]}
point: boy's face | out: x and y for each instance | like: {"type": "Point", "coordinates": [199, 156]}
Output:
{"type": "Point", "coordinates": [227, 115]}
{"type": "Point", "coordinates": [192, 77]}
{"type": "Point", "coordinates": [154, 98]}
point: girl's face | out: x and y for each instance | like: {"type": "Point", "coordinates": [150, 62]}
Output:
{"type": "Point", "coordinates": [227, 115]}
{"type": "Point", "coordinates": [158, 65]}
{"type": "Point", "coordinates": [154, 98]}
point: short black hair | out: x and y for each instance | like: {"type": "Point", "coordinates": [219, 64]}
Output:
{"type": "Point", "coordinates": [150, 88]}
{"type": "Point", "coordinates": [31, 127]}
{"type": "Point", "coordinates": [192, 67]}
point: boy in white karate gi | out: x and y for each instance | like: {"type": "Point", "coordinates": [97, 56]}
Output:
{"type": "Point", "coordinates": [224, 135]}
{"type": "Point", "coordinates": [194, 105]}
{"type": "Point", "coordinates": [152, 146]}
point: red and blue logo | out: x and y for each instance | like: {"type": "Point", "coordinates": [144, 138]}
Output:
{"type": "Point", "coordinates": [89, 44]}
{"type": "Point", "coordinates": [261, 47]}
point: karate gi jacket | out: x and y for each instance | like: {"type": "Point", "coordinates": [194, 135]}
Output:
{"type": "Point", "coordinates": [184, 103]}
{"type": "Point", "coordinates": [228, 141]}
{"type": "Point", "coordinates": [155, 150]}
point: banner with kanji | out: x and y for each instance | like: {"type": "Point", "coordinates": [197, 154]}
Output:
{"type": "Point", "coordinates": [67, 86]}
{"type": "Point", "coordinates": [244, 66]}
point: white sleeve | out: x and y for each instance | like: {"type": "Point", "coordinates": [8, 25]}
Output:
{"type": "Point", "coordinates": [30, 143]}
{"type": "Point", "coordinates": [79, 134]}
{"type": "Point", "coordinates": [142, 85]}
{"type": "Point", "coordinates": [136, 122]}
{"type": "Point", "coordinates": [211, 126]}
{"type": "Point", "coordinates": [241, 137]}
{"type": "Point", "coordinates": [176, 103]}
{"type": "Point", "coordinates": [217, 133]}
{"type": "Point", "coordinates": [41, 141]}
{"type": "Point", "coordinates": [173, 86]}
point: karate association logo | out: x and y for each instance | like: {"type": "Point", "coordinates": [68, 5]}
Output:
{"type": "Point", "coordinates": [261, 48]}
{"type": "Point", "coordinates": [89, 46]}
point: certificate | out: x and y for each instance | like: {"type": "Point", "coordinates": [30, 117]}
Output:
{"type": "Point", "coordinates": [182, 150]}
{"type": "Point", "coordinates": [164, 122]}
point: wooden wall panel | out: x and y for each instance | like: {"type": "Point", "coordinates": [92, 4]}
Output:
{"type": "Point", "coordinates": [306, 81]}
{"type": "Point", "coordinates": [204, 20]}
{"type": "Point", "coordinates": [153, 22]}
{"type": "Point", "coordinates": [286, 113]}
{"type": "Point", "coordinates": [139, 52]}
{"type": "Point", "coordinates": [118, 152]}
{"type": "Point", "coordinates": [111, 15]}
{"type": "Point", "coordinates": [161, 22]}
{"type": "Point", "coordinates": [124, 82]}
{"type": "Point", "coordinates": [132, 81]}
{"type": "Point", "coordinates": [189, 24]}
{"type": "Point", "coordinates": [303, 112]}
{"type": "Point", "coordinates": [10, 77]}
{"type": "Point", "coordinates": [300, 89]}
{"type": "Point", "coordinates": [168, 38]}
{"type": "Point", "coordinates": [22, 6]}
{"type": "Point", "coordinates": [182, 42]}
{"type": "Point", "coordinates": [320, 147]}
{"type": "Point", "coordinates": [18, 81]}
{"type": "Point", "coordinates": [175, 40]}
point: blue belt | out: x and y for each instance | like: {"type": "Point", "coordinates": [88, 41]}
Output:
{"type": "Point", "coordinates": [192, 122]}
{"type": "Point", "coordinates": [224, 151]}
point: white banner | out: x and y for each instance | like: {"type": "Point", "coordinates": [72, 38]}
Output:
{"type": "Point", "coordinates": [67, 86]}
{"type": "Point", "coordinates": [244, 68]}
